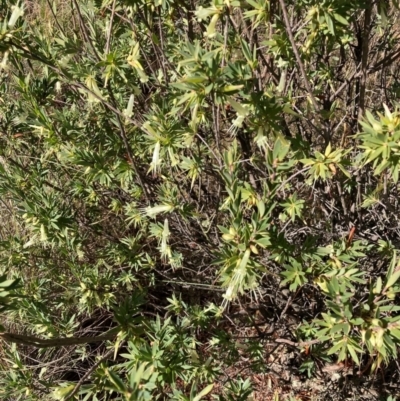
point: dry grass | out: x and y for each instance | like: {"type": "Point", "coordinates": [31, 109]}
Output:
{"type": "Point", "coordinates": [43, 13]}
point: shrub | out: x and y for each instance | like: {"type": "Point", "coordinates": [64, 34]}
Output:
{"type": "Point", "coordinates": [172, 171]}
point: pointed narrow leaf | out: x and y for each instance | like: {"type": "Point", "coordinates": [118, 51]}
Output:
{"type": "Point", "coordinates": [203, 392]}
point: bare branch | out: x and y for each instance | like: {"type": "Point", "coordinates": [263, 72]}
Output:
{"type": "Point", "coordinates": [297, 55]}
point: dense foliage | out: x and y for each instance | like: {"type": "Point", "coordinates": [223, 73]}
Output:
{"type": "Point", "coordinates": [189, 188]}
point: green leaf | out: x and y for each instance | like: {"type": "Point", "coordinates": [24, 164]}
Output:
{"type": "Point", "coordinates": [340, 19]}
{"type": "Point", "coordinates": [61, 393]}
{"type": "Point", "coordinates": [378, 286]}
{"type": "Point", "coordinates": [9, 284]}
{"type": "Point", "coordinates": [392, 279]}
{"type": "Point", "coordinates": [232, 88]}
{"type": "Point", "coordinates": [330, 24]}
{"type": "Point", "coordinates": [264, 241]}
{"type": "Point", "coordinates": [353, 354]}
{"type": "Point", "coordinates": [253, 3]}
{"type": "Point", "coordinates": [336, 347]}
{"type": "Point", "coordinates": [261, 208]}
{"type": "Point", "coordinates": [342, 327]}
{"type": "Point", "coordinates": [203, 392]}
{"type": "Point", "coordinates": [116, 381]}
{"type": "Point", "coordinates": [395, 332]}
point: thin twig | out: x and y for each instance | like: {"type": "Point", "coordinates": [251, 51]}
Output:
{"type": "Point", "coordinates": [385, 62]}
{"type": "Point", "coordinates": [297, 55]}
{"type": "Point", "coordinates": [88, 373]}
{"type": "Point", "coordinates": [208, 147]}
{"type": "Point", "coordinates": [166, 76]}
{"type": "Point", "coordinates": [354, 75]}
{"type": "Point", "coordinates": [291, 177]}
{"type": "Point", "coordinates": [55, 17]}
{"type": "Point", "coordinates": [84, 30]}
{"type": "Point", "coordinates": [110, 28]}
{"type": "Point", "coordinates": [295, 344]}
{"type": "Point", "coordinates": [364, 58]}
{"type": "Point", "coordinates": [56, 342]}
{"type": "Point", "coordinates": [225, 43]}
{"type": "Point", "coordinates": [124, 138]}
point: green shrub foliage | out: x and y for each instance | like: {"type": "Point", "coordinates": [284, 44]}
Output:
{"type": "Point", "coordinates": [170, 170]}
